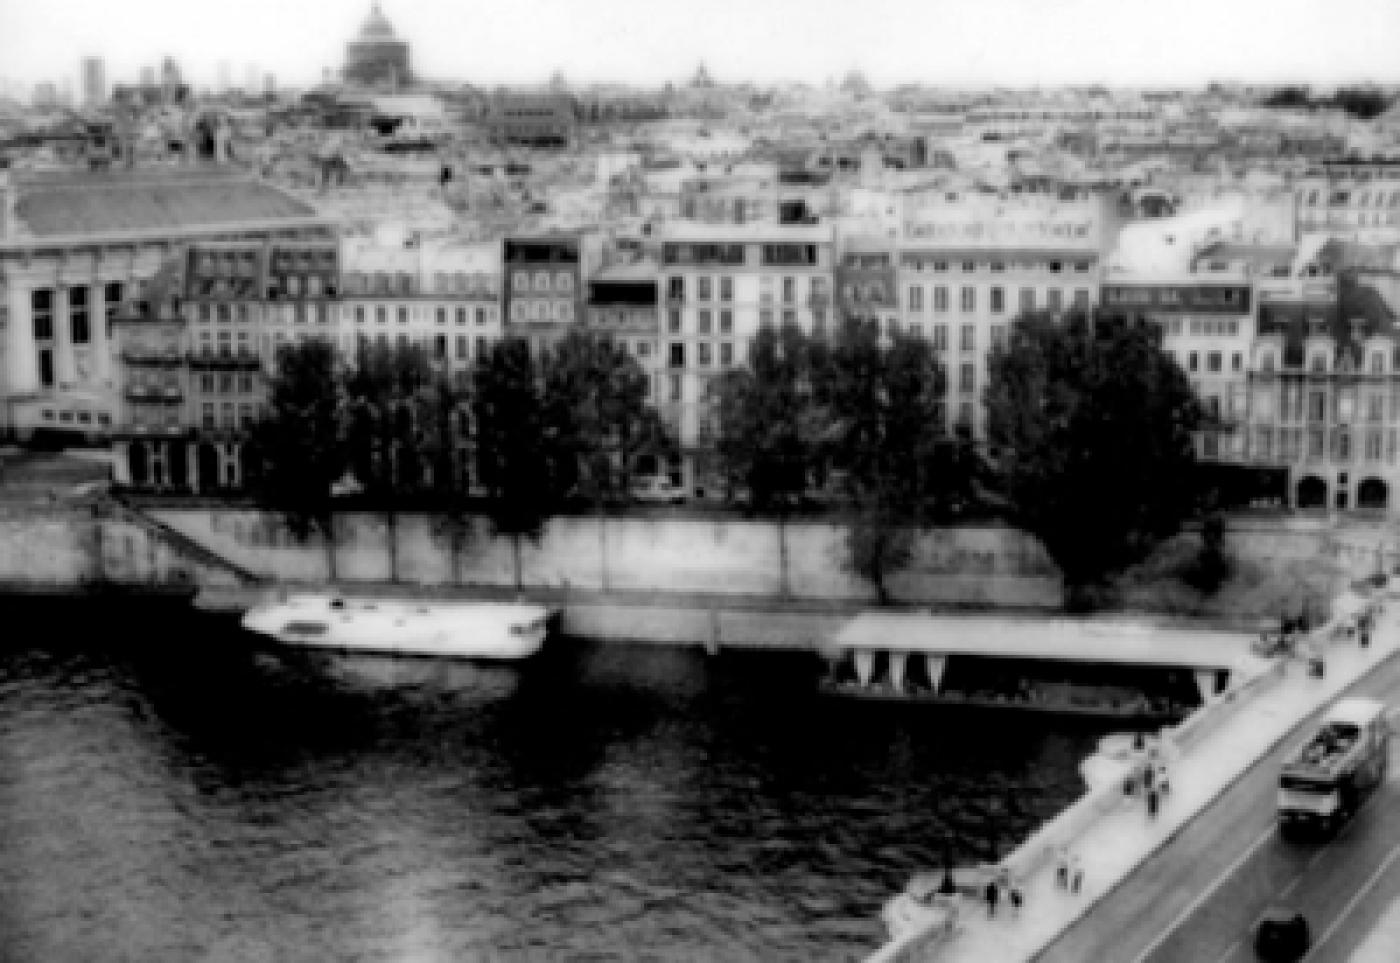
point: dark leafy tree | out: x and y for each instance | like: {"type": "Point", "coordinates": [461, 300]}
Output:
{"type": "Point", "coordinates": [766, 420]}
{"type": "Point", "coordinates": [446, 444]}
{"type": "Point", "coordinates": [296, 445]}
{"type": "Point", "coordinates": [597, 417]}
{"type": "Point", "coordinates": [513, 455]}
{"type": "Point", "coordinates": [387, 410]}
{"type": "Point", "coordinates": [1091, 424]}
{"type": "Point", "coordinates": [882, 394]}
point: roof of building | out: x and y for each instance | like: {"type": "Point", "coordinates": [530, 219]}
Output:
{"type": "Point", "coordinates": [150, 203]}
{"type": "Point", "coordinates": [1072, 640]}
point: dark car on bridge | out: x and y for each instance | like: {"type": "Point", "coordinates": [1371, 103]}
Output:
{"type": "Point", "coordinates": [1282, 936]}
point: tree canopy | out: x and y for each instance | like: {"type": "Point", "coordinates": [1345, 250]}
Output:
{"type": "Point", "coordinates": [864, 408]}
{"type": "Point", "coordinates": [1090, 424]}
{"type": "Point", "coordinates": [597, 417]}
{"type": "Point", "coordinates": [296, 447]}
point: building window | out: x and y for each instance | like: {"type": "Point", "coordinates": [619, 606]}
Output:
{"type": "Point", "coordinates": [967, 375]}
{"type": "Point", "coordinates": [1236, 361]}
{"type": "Point", "coordinates": [1213, 362]}
{"type": "Point", "coordinates": [78, 326]}
{"type": "Point", "coordinates": [726, 322]}
{"type": "Point", "coordinates": [967, 338]}
{"type": "Point", "coordinates": [403, 315]}
{"type": "Point", "coordinates": [703, 354]}
{"type": "Point", "coordinates": [726, 354]}
{"type": "Point", "coordinates": [916, 298]}
{"type": "Point", "coordinates": [1081, 298]}
{"type": "Point", "coordinates": [968, 300]}
{"type": "Point", "coordinates": [940, 299]}
{"type": "Point", "coordinates": [940, 337]}
{"type": "Point", "coordinates": [677, 355]}
{"type": "Point", "coordinates": [726, 289]}
{"type": "Point", "coordinates": [673, 321]}
{"type": "Point", "coordinates": [1054, 300]}
{"type": "Point", "coordinates": [675, 289]}
{"type": "Point", "coordinates": [703, 288]}
{"type": "Point", "coordinates": [207, 416]}
{"type": "Point", "coordinates": [41, 310]}
{"type": "Point", "coordinates": [789, 290]}
{"type": "Point", "coordinates": [675, 385]}
{"type": "Point", "coordinates": [1193, 362]}
{"type": "Point", "coordinates": [705, 321]}
{"type": "Point", "coordinates": [1028, 299]}
{"type": "Point", "coordinates": [998, 300]}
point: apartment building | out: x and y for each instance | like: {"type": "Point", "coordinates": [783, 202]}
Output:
{"type": "Point", "coordinates": [543, 293]}
{"type": "Point", "coordinates": [443, 298]}
{"type": "Point", "coordinates": [195, 352]}
{"type": "Point", "coordinates": [1207, 321]}
{"type": "Point", "coordinates": [866, 284]}
{"type": "Point", "coordinates": [966, 269]}
{"type": "Point", "coordinates": [722, 283]}
{"type": "Point", "coordinates": [1350, 200]}
{"type": "Point", "coordinates": [1324, 390]}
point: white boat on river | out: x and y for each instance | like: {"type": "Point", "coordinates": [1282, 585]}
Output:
{"type": "Point", "coordinates": [465, 630]}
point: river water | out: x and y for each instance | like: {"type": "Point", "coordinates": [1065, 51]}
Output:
{"type": "Point", "coordinates": [168, 793]}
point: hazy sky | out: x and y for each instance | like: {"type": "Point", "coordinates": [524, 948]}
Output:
{"type": "Point", "coordinates": [1011, 42]}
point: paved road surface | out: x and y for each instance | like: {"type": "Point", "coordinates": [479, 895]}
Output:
{"type": "Point", "coordinates": [1197, 898]}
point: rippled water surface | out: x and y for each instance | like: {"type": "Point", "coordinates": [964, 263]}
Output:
{"type": "Point", "coordinates": [167, 793]}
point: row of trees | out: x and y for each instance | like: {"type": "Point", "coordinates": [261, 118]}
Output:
{"type": "Point", "coordinates": [1088, 441]}
{"type": "Point", "coordinates": [522, 437]}
{"type": "Point", "coordinates": [861, 413]}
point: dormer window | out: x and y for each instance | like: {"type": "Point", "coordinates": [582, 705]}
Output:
{"type": "Point", "coordinates": [1377, 362]}
{"type": "Point", "coordinates": [1318, 364]}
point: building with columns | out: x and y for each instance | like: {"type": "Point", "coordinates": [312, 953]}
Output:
{"type": "Point", "coordinates": [74, 246]}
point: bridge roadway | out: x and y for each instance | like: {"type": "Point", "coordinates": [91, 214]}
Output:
{"type": "Point", "coordinates": [1197, 898]}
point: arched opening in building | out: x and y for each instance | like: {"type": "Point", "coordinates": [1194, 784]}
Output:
{"type": "Point", "coordinates": [1312, 493]}
{"type": "Point", "coordinates": [139, 463]}
{"type": "Point", "coordinates": [1372, 493]}
{"type": "Point", "coordinates": [207, 459]}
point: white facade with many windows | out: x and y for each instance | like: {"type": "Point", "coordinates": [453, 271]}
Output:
{"type": "Point", "coordinates": [444, 299]}
{"type": "Point", "coordinates": [967, 270]}
{"type": "Point", "coordinates": [721, 283]}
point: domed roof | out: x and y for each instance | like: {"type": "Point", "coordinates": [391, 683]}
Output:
{"type": "Point", "coordinates": [376, 26]}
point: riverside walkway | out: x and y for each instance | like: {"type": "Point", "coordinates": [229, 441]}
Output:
{"type": "Point", "coordinates": [1110, 834]}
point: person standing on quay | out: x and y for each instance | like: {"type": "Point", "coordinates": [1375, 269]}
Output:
{"type": "Point", "coordinates": [993, 893]}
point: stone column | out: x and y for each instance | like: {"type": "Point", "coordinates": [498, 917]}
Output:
{"type": "Point", "coordinates": [99, 348]}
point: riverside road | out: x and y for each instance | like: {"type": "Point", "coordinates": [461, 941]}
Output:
{"type": "Point", "coordinates": [1198, 897]}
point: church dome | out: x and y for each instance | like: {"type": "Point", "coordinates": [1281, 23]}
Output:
{"type": "Point", "coordinates": [376, 26]}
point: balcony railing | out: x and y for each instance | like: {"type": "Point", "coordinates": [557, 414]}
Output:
{"type": "Point", "coordinates": [148, 393]}
{"type": "Point", "coordinates": [210, 359]}
{"type": "Point", "coordinates": [154, 358]}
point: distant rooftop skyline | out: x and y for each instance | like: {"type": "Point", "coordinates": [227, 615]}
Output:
{"type": "Point", "coordinates": [952, 42]}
